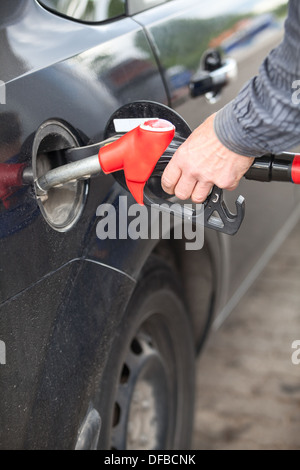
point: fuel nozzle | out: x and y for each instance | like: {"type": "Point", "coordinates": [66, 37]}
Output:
{"type": "Point", "coordinates": [142, 152]}
{"type": "Point", "coordinates": [136, 153]}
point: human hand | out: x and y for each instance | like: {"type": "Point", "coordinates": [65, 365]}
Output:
{"type": "Point", "coordinates": [201, 162]}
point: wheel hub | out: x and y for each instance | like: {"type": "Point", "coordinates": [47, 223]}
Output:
{"type": "Point", "coordinates": [142, 399]}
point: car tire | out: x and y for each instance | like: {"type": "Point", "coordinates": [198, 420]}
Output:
{"type": "Point", "coordinates": [146, 396]}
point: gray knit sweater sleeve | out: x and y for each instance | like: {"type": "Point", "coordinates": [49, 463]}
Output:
{"type": "Point", "coordinates": [265, 116]}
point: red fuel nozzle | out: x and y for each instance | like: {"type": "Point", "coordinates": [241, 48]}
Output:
{"type": "Point", "coordinates": [10, 180]}
{"type": "Point", "coordinates": [137, 153]}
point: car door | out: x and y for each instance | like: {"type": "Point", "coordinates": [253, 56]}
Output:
{"type": "Point", "coordinates": [186, 36]}
{"type": "Point", "coordinates": [75, 73]}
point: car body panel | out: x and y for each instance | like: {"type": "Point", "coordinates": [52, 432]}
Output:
{"type": "Point", "coordinates": [54, 355]}
{"type": "Point", "coordinates": [26, 23]}
{"type": "Point", "coordinates": [83, 91]}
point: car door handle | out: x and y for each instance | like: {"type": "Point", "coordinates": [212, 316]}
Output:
{"type": "Point", "coordinates": [213, 81]}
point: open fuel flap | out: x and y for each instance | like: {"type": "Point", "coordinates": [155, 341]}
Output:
{"type": "Point", "coordinates": [62, 204]}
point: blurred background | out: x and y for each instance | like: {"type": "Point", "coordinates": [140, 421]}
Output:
{"type": "Point", "coordinates": [248, 389]}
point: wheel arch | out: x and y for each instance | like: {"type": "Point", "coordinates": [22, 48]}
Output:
{"type": "Point", "coordinates": [203, 274]}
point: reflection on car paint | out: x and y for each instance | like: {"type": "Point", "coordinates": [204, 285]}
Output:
{"type": "Point", "coordinates": [243, 32]}
{"type": "Point", "coordinates": [18, 207]}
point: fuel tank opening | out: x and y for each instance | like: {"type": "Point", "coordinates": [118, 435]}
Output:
{"type": "Point", "coordinates": [61, 206]}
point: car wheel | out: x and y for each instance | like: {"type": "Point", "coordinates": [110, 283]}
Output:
{"type": "Point", "coordinates": [146, 398]}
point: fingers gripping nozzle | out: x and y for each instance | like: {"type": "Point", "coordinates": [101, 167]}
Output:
{"type": "Point", "coordinates": [137, 153]}
{"type": "Point", "coordinates": [142, 152]}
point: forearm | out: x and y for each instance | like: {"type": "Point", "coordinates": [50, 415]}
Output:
{"type": "Point", "coordinates": [264, 117]}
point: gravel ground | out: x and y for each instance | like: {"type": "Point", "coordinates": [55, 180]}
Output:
{"type": "Point", "coordinates": [248, 390]}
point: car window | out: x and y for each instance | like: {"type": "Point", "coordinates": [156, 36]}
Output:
{"type": "Point", "coordinates": [91, 11]}
{"type": "Point", "coordinates": [136, 6]}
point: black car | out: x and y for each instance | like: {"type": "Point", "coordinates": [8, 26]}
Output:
{"type": "Point", "coordinates": [99, 337]}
